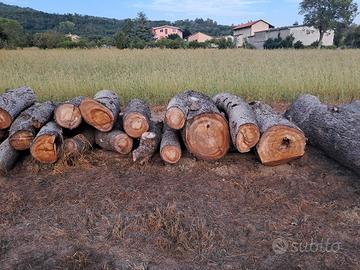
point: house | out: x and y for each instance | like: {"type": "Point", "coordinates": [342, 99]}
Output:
{"type": "Point", "coordinates": [307, 35]}
{"type": "Point", "coordinates": [243, 31]}
{"type": "Point", "coordinates": [199, 37]}
{"type": "Point", "coordinates": [165, 31]}
{"type": "Point", "coordinates": [72, 37]}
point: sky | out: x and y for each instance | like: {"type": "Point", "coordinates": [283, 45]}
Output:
{"type": "Point", "coordinates": [278, 13]}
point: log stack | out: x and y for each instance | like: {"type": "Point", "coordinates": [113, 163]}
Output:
{"type": "Point", "coordinates": [334, 130]}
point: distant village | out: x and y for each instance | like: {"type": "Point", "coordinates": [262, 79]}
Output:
{"type": "Point", "coordinates": [255, 33]}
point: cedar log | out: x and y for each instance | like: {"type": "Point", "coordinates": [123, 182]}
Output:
{"type": "Point", "coordinates": [48, 143]}
{"type": "Point", "coordinates": [170, 148]}
{"type": "Point", "coordinates": [102, 111]}
{"type": "Point", "coordinates": [80, 143]}
{"type": "Point", "coordinates": [244, 129]}
{"type": "Point", "coordinates": [177, 111]}
{"type": "Point", "coordinates": [137, 116]}
{"type": "Point", "coordinates": [13, 102]}
{"type": "Point", "coordinates": [23, 129]}
{"type": "Point", "coordinates": [335, 131]}
{"type": "Point", "coordinates": [281, 140]}
{"type": "Point", "coordinates": [8, 157]}
{"type": "Point", "coordinates": [68, 115]}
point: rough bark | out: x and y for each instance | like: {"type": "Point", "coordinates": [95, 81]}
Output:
{"type": "Point", "coordinates": [116, 140]}
{"type": "Point", "coordinates": [177, 111]}
{"type": "Point", "coordinates": [149, 143]}
{"type": "Point", "coordinates": [13, 102]}
{"type": "Point", "coordinates": [206, 132]}
{"type": "Point", "coordinates": [23, 129]}
{"type": "Point", "coordinates": [244, 130]}
{"type": "Point", "coordinates": [8, 157]}
{"type": "Point", "coordinates": [170, 147]}
{"type": "Point", "coordinates": [335, 131]}
{"type": "Point", "coordinates": [353, 106]}
{"type": "Point", "coordinates": [102, 111]}
{"type": "Point", "coordinates": [137, 116]}
{"type": "Point", "coordinates": [281, 140]}
{"type": "Point", "coordinates": [68, 115]}
{"type": "Point", "coordinates": [48, 143]}
{"type": "Point", "coordinates": [80, 143]}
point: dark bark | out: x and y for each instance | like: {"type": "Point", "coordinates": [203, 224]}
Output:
{"type": "Point", "coordinates": [80, 143]}
{"type": "Point", "coordinates": [23, 129]}
{"type": "Point", "coordinates": [68, 115]}
{"type": "Point", "coordinates": [335, 131]}
{"type": "Point", "coordinates": [137, 116]}
{"type": "Point", "coordinates": [170, 147]}
{"type": "Point", "coordinates": [244, 130]}
{"type": "Point", "coordinates": [8, 157]}
{"type": "Point", "coordinates": [13, 102]}
{"type": "Point", "coordinates": [281, 140]}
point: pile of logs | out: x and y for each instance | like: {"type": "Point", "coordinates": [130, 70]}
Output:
{"type": "Point", "coordinates": [207, 127]}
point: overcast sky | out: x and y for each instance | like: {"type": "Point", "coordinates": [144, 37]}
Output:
{"type": "Point", "coordinates": [278, 13]}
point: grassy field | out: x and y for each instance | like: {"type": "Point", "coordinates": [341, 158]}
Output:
{"type": "Point", "coordinates": [156, 75]}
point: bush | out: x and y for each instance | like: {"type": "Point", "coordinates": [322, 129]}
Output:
{"type": "Point", "coordinates": [279, 43]}
{"type": "Point", "coordinates": [198, 45]}
{"type": "Point", "coordinates": [299, 45]}
{"type": "Point", "coordinates": [48, 40]}
{"type": "Point", "coordinates": [223, 43]}
{"type": "Point", "coordinates": [170, 44]}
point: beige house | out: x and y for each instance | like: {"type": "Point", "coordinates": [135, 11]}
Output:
{"type": "Point", "coordinates": [243, 31]}
{"type": "Point", "coordinates": [199, 37]}
{"type": "Point", "coordinates": [72, 37]}
{"type": "Point", "coordinates": [165, 31]}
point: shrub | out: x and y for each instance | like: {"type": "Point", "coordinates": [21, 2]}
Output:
{"type": "Point", "coordinates": [299, 45]}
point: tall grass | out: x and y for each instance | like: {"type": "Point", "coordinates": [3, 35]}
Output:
{"type": "Point", "coordinates": [155, 75]}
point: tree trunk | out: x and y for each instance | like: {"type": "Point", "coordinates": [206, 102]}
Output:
{"type": "Point", "coordinates": [206, 132]}
{"type": "Point", "coordinates": [170, 148]}
{"type": "Point", "coordinates": [13, 102]}
{"type": "Point", "coordinates": [244, 130]}
{"type": "Point", "coordinates": [177, 111]}
{"type": "Point", "coordinates": [23, 129]}
{"type": "Point", "coordinates": [8, 157]}
{"type": "Point", "coordinates": [80, 143]}
{"type": "Point", "coordinates": [334, 131]}
{"type": "Point", "coordinates": [149, 143]}
{"type": "Point", "coordinates": [321, 38]}
{"type": "Point", "coordinates": [68, 115]}
{"type": "Point", "coordinates": [116, 140]}
{"type": "Point", "coordinates": [281, 140]}
{"type": "Point", "coordinates": [48, 143]}
{"type": "Point", "coordinates": [102, 111]}
{"type": "Point", "coordinates": [353, 106]}
{"type": "Point", "coordinates": [137, 116]}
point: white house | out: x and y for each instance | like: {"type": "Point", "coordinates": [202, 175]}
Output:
{"type": "Point", "coordinates": [243, 31]}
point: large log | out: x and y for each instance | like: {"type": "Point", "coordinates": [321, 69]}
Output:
{"type": "Point", "coordinates": [23, 129]}
{"type": "Point", "coordinates": [353, 106]}
{"type": "Point", "coordinates": [149, 143]}
{"type": "Point", "coordinates": [80, 143]}
{"type": "Point", "coordinates": [206, 132]}
{"type": "Point", "coordinates": [8, 157]}
{"type": "Point", "coordinates": [244, 129]}
{"type": "Point", "coordinates": [68, 115]}
{"type": "Point", "coordinates": [170, 147]}
{"type": "Point", "coordinates": [335, 131]}
{"type": "Point", "coordinates": [116, 140]}
{"type": "Point", "coordinates": [137, 116]}
{"type": "Point", "coordinates": [48, 143]}
{"type": "Point", "coordinates": [281, 140]}
{"type": "Point", "coordinates": [13, 102]}
{"type": "Point", "coordinates": [177, 111]}
{"type": "Point", "coordinates": [102, 111]}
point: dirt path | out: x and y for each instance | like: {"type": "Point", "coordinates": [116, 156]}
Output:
{"type": "Point", "coordinates": [108, 213]}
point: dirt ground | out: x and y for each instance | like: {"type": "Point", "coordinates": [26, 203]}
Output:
{"type": "Point", "coordinates": [105, 212]}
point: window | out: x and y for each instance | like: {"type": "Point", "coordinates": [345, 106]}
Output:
{"type": "Point", "coordinates": [166, 31]}
{"type": "Point", "coordinates": [161, 30]}
{"type": "Point", "coordinates": [174, 30]}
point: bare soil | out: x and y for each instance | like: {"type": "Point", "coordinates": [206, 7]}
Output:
{"type": "Point", "coordinates": [105, 212]}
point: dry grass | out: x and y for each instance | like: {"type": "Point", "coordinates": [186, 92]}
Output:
{"type": "Point", "coordinates": [156, 75]}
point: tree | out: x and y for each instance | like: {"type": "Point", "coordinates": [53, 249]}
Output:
{"type": "Point", "coordinates": [48, 40]}
{"type": "Point", "coordinates": [66, 27]}
{"type": "Point", "coordinates": [11, 33]}
{"type": "Point", "coordinates": [326, 14]}
{"type": "Point", "coordinates": [121, 40]}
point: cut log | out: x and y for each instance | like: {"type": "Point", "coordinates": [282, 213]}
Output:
{"type": "Point", "coordinates": [149, 144]}
{"type": "Point", "coordinates": [116, 140]}
{"type": "Point", "coordinates": [13, 102]}
{"type": "Point", "coordinates": [206, 132]}
{"type": "Point", "coordinates": [244, 129]}
{"type": "Point", "coordinates": [334, 131]}
{"type": "Point", "coordinates": [353, 106]}
{"type": "Point", "coordinates": [8, 157]}
{"type": "Point", "coordinates": [48, 143]}
{"type": "Point", "coordinates": [68, 115]}
{"type": "Point", "coordinates": [281, 140]}
{"type": "Point", "coordinates": [170, 147]}
{"type": "Point", "coordinates": [102, 111]}
{"type": "Point", "coordinates": [137, 116]}
{"type": "Point", "coordinates": [80, 143]}
{"type": "Point", "coordinates": [177, 111]}
{"type": "Point", "coordinates": [23, 129]}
